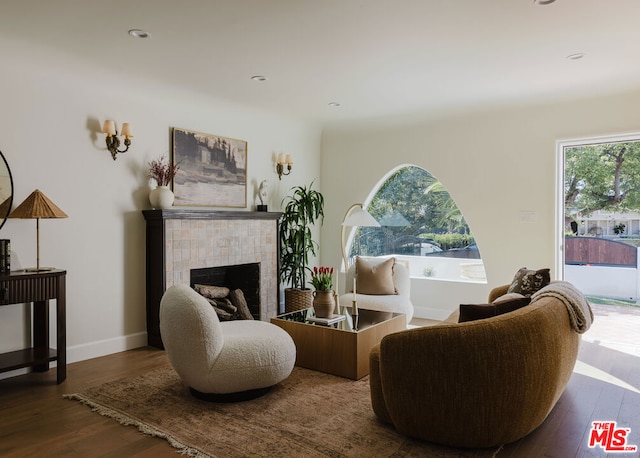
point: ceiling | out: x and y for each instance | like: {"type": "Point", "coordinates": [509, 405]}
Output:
{"type": "Point", "coordinates": [376, 58]}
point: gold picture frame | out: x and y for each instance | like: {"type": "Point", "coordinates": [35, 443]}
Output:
{"type": "Point", "coordinates": [212, 170]}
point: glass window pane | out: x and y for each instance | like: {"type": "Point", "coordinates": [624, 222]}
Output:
{"type": "Point", "coordinates": [418, 217]}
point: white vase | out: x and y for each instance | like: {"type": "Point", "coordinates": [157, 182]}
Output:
{"type": "Point", "coordinates": [161, 197]}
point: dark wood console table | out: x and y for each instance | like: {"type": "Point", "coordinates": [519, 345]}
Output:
{"type": "Point", "coordinates": [19, 287]}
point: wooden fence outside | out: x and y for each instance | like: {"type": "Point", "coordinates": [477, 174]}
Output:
{"type": "Point", "coordinates": [599, 251]}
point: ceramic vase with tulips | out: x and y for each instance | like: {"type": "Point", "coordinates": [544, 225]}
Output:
{"type": "Point", "coordinates": [323, 297]}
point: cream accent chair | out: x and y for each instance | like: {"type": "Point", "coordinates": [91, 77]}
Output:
{"type": "Point", "coordinates": [398, 303]}
{"type": "Point", "coordinates": [222, 362]}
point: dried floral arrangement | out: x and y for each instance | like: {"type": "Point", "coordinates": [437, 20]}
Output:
{"type": "Point", "coordinates": [161, 171]}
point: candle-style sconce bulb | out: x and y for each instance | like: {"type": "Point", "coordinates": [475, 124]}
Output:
{"type": "Point", "coordinates": [112, 140]}
{"type": "Point", "coordinates": [282, 163]}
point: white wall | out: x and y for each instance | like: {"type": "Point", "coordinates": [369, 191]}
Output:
{"type": "Point", "coordinates": [51, 110]}
{"type": "Point", "coordinates": [496, 164]}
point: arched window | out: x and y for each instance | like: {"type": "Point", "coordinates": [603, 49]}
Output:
{"type": "Point", "coordinates": [420, 222]}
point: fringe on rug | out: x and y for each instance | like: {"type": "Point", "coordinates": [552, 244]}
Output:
{"type": "Point", "coordinates": [126, 420]}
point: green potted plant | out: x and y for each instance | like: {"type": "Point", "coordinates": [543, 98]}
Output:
{"type": "Point", "coordinates": [302, 209]}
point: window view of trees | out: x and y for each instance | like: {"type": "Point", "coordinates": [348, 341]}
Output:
{"type": "Point", "coordinates": [602, 189]}
{"type": "Point", "coordinates": [602, 220]}
{"type": "Point", "coordinates": [418, 217]}
{"type": "Point", "coordinates": [603, 177]}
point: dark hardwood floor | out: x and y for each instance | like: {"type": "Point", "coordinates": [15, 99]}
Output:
{"type": "Point", "coordinates": [609, 392]}
{"type": "Point", "coordinates": [37, 422]}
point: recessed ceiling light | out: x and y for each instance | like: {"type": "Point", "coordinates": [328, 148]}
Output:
{"type": "Point", "coordinates": [576, 56]}
{"type": "Point", "coordinates": [543, 2]}
{"type": "Point", "coordinates": [138, 33]}
{"type": "Point", "coordinates": [259, 78]}
{"type": "Point", "coordinates": [334, 104]}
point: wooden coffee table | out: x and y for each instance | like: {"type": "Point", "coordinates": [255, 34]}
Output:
{"type": "Point", "coordinates": [338, 349]}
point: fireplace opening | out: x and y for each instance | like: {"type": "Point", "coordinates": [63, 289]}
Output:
{"type": "Point", "coordinates": [245, 277]}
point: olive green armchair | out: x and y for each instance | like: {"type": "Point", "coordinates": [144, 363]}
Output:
{"type": "Point", "coordinates": [475, 384]}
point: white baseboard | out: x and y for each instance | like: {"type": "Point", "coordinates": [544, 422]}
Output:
{"type": "Point", "coordinates": [106, 347]}
{"type": "Point", "coordinates": [93, 350]}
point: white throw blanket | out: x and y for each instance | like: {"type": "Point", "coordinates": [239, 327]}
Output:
{"type": "Point", "coordinates": [580, 313]}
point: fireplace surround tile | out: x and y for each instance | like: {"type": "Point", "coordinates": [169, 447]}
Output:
{"type": "Point", "coordinates": [179, 240]}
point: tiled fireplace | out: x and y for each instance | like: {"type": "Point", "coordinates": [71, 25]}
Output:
{"type": "Point", "coordinates": [180, 240]}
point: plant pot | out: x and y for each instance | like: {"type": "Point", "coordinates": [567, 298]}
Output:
{"type": "Point", "coordinates": [324, 303]}
{"type": "Point", "coordinates": [161, 197]}
{"type": "Point", "coordinates": [297, 299]}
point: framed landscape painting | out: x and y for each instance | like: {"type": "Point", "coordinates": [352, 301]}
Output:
{"type": "Point", "coordinates": [213, 170]}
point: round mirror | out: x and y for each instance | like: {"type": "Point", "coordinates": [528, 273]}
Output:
{"type": "Point", "coordinates": [6, 190]}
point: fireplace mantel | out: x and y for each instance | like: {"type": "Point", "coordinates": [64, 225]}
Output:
{"type": "Point", "coordinates": [188, 213]}
{"type": "Point", "coordinates": [181, 239]}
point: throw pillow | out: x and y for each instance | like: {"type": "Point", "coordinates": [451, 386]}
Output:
{"type": "Point", "coordinates": [375, 277]}
{"type": "Point", "coordinates": [527, 282]}
{"type": "Point", "coordinates": [507, 297]}
{"type": "Point", "coordinates": [472, 312]}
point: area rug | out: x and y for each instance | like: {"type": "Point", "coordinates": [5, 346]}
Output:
{"type": "Point", "coordinates": [310, 414]}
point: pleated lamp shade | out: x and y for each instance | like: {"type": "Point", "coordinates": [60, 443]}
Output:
{"type": "Point", "coordinates": [37, 206]}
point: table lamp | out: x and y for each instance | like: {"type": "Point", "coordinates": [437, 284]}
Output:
{"type": "Point", "coordinates": [37, 206]}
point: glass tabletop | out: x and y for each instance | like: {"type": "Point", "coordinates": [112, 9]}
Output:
{"type": "Point", "coordinates": [343, 321]}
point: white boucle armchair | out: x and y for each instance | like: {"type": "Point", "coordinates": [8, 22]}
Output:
{"type": "Point", "coordinates": [399, 303]}
{"type": "Point", "coordinates": [222, 361]}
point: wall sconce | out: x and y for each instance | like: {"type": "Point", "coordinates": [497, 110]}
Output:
{"type": "Point", "coordinates": [282, 161]}
{"type": "Point", "coordinates": [113, 142]}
